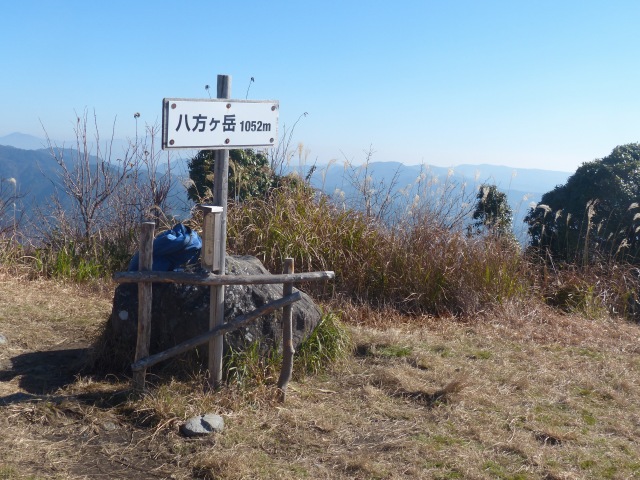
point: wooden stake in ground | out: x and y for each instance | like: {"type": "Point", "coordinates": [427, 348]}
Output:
{"type": "Point", "coordinates": [144, 302]}
{"type": "Point", "coordinates": [287, 334]}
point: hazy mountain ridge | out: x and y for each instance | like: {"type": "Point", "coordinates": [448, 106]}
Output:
{"type": "Point", "coordinates": [523, 187]}
{"type": "Point", "coordinates": [36, 173]}
{"type": "Point", "coordinates": [23, 141]}
{"type": "Point", "coordinates": [528, 180]}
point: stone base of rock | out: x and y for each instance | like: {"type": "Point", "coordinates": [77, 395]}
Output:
{"type": "Point", "coordinates": [181, 312]}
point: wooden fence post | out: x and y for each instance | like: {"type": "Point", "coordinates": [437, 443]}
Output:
{"type": "Point", "coordinates": [287, 334]}
{"type": "Point", "coordinates": [144, 302]}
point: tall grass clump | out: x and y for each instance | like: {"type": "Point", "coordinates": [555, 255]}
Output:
{"type": "Point", "coordinates": [10, 254]}
{"type": "Point", "coordinates": [417, 266]}
{"type": "Point", "coordinates": [63, 258]}
{"type": "Point", "coordinates": [292, 221]}
{"type": "Point", "coordinates": [589, 266]}
{"type": "Point", "coordinates": [605, 287]}
{"type": "Point", "coordinates": [445, 271]}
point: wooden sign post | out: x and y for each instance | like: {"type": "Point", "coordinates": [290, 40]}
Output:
{"type": "Point", "coordinates": [220, 193]}
{"type": "Point", "coordinates": [218, 124]}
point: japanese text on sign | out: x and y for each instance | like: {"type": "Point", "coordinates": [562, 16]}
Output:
{"type": "Point", "coordinates": [211, 124]}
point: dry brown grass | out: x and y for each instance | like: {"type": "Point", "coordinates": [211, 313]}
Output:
{"type": "Point", "coordinates": [516, 394]}
{"type": "Point", "coordinates": [41, 314]}
{"type": "Point", "coordinates": [422, 263]}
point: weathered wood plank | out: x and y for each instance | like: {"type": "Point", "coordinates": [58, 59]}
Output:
{"type": "Point", "coordinates": [216, 318]}
{"type": "Point", "coordinates": [144, 302]}
{"type": "Point", "coordinates": [287, 335]}
{"type": "Point", "coordinates": [213, 279]}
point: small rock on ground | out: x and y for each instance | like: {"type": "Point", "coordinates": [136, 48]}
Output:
{"type": "Point", "coordinates": [202, 425]}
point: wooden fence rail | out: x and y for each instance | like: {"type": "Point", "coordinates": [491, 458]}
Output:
{"type": "Point", "coordinates": [145, 279]}
{"type": "Point", "coordinates": [212, 279]}
{"type": "Point", "coordinates": [238, 322]}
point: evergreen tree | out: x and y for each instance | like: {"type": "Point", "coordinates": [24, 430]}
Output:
{"type": "Point", "coordinates": [492, 213]}
{"type": "Point", "coordinates": [249, 175]}
{"type": "Point", "coordinates": [595, 213]}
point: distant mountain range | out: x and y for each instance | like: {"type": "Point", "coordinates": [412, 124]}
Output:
{"type": "Point", "coordinates": [37, 178]}
{"type": "Point", "coordinates": [516, 181]}
{"type": "Point", "coordinates": [523, 187]}
{"type": "Point", "coordinates": [35, 173]}
{"type": "Point", "coordinates": [28, 160]}
{"type": "Point", "coordinates": [24, 158]}
{"type": "Point", "coordinates": [23, 141]}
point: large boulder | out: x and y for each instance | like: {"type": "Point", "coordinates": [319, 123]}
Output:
{"type": "Point", "coordinates": [181, 312]}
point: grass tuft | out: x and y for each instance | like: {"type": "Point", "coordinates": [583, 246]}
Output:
{"type": "Point", "coordinates": [329, 342]}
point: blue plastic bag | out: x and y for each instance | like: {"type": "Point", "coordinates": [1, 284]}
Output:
{"type": "Point", "coordinates": [172, 249]}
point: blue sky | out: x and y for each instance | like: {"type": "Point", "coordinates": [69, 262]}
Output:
{"type": "Point", "coordinates": [522, 83]}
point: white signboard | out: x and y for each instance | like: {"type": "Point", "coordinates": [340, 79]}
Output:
{"type": "Point", "coordinates": [218, 123]}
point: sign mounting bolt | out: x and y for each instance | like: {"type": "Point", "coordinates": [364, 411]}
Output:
{"type": "Point", "coordinates": [226, 141]}
{"type": "Point", "coordinates": [228, 105]}
{"type": "Point", "coordinates": [171, 142]}
{"type": "Point", "coordinates": [173, 105]}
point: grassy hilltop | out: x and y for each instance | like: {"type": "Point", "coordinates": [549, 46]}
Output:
{"type": "Point", "coordinates": [445, 351]}
{"type": "Point", "coordinates": [524, 392]}
{"type": "Point", "coordinates": [459, 358]}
